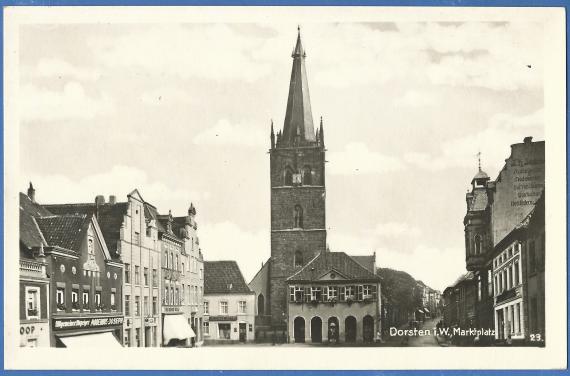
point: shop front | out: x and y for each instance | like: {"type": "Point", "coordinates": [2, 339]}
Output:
{"type": "Point", "coordinates": [34, 334]}
{"type": "Point", "coordinates": [176, 332]}
{"type": "Point", "coordinates": [87, 332]}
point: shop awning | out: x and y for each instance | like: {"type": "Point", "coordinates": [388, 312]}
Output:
{"type": "Point", "coordinates": [176, 327]}
{"type": "Point", "coordinates": [101, 340]}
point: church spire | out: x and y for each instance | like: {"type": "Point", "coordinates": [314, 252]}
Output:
{"type": "Point", "coordinates": [298, 127]}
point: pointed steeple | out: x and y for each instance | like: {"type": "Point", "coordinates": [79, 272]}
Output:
{"type": "Point", "coordinates": [321, 134]}
{"type": "Point", "coordinates": [298, 127]}
{"type": "Point", "coordinates": [272, 136]}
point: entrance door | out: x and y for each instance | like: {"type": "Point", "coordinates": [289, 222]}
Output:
{"type": "Point", "coordinates": [316, 330]}
{"type": "Point", "coordinates": [299, 330]}
{"type": "Point", "coordinates": [242, 331]}
{"type": "Point", "coordinates": [350, 329]}
{"type": "Point", "coordinates": [501, 322]}
{"type": "Point", "coordinates": [147, 336]}
{"type": "Point", "coordinates": [368, 329]}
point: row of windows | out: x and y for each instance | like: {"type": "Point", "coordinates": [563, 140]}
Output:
{"type": "Point", "coordinates": [171, 261]}
{"type": "Point", "coordinates": [145, 275]}
{"type": "Point", "coordinates": [146, 309]}
{"type": "Point", "coordinates": [332, 293]}
{"type": "Point", "coordinates": [224, 307]}
{"type": "Point", "coordinates": [176, 296]}
{"type": "Point", "coordinates": [86, 302]}
{"type": "Point", "coordinates": [507, 278]}
{"type": "Point", "coordinates": [507, 254]}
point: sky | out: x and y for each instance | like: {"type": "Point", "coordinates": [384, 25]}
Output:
{"type": "Point", "coordinates": [182, 113]}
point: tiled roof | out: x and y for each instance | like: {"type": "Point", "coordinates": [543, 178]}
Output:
{"type": "Point", "coordinates": [367, 261]}
{"type": "Point", "coordinates": [224, 277]}
{"type": "Point", "coordinates": [327, 261]}
{"type": "Point", "coordinates": [109, 216]}
{"type": "Point", "coordinates": [30, 234]}
{"type": "Point", "coordinates": [480, 200]}
{"type": "Point", "coordinates": [65, 231]}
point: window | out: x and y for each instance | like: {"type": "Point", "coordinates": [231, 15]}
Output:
{"type": "Point", "coordinates": [350, 291]}
{"type": "Point", "coordinates": [176, 296]}
{"type": "Point", "coordinates": [489, 282]}
{"type": "Point", "coordinates": [224, 308]}
{"type": "Point", "coordinates": [333, 293]}
{"type": "Point", "coordinates": [496, 285]}
{"type": "Point", "coordinates": [367, 292]}
{"type": "Point", "coordinates": [298, 259]}
{"type": "Point", "coordinates": [127, 305]}
{"type": "Point", "coordinates": [165, 296]}
{"type": "Point", "coordinates": [127, 341]}
{"type": "Point", "coordinates": [171, 261]}
{"type": "Point", "coordinates": [307, 176]}
{"type": "Point", "coordinates": [32, 302]}
{"type": "Point", "coordinates": [298, 217]}
{"type": "Point", "coordinates": [165, 258]}
{"type": "Point", "coordinates": [137, 305]}
{"type": "Point", "coordinates": [98, 304]}
{"type": "Point", "coordinates": [206, 308]}
{"type": "Point", "coordinates": [90, 247]}
{"type": "Point", "coordinates": [145, 306]}
{"type": "Point", "coordinates": [182, 268]}
{"type": "Point", "coordinates": [137, 238]}
{"type": "Point", "coordinates": [288, 177]}
{"type": "Point", "coordinates": [85, 299]}
{"type": "Point", "coordinates": [176, 264]}
{"type": "Point", "coordinates": [479, 286]}
{"type": "Point", "coordinates": [242, 306]}
{"type": "Point", "coordinates": [206, 328]}
{"type": "Point", "coordinates": [154, 278]}
{"type": "Point", "coordinates": [137, 274]}
{"type": "Point", "coordinates": [145, 276]}
{"type": "Point", "coordinates": [478, 244]}
{"type": "Point", "coordinates": [113, 304]}
{"type": "Point", "coordinates": [127, 273]}
{"type": "Point", "coordinates": [316, 294]}
{"type": "Point", "coordinates": [532, 256]}
{"type": "Point", "coordinates": [516, 272]}
{"type": "Point", "coordinates": [224, 331]}
{"type": "Point", "coordinates": [154, 305]}
{"type": "Point", "coordinates": [75, 299]}
{"type": "Point", "coordinates": [60, 298]}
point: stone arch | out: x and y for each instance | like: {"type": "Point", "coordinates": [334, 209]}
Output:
{"type": "Point", "coordinates": [316, 329]}
{"type": "Point", "coordinates": [333, 329]}
{"type": "Point", "coordinates": [368, 328]}
{"type": "Point", "coordinates": [350, 329]}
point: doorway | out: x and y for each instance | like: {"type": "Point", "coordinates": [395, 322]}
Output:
{"type": "Point", "coordinates": [299, 330]}
{"type": "Point", "coordinates": [368, 329]}
{"type": "Point", "coordinates": [316, 330]}
{"type": "Point", "coordinates": [350, 329]}
{"type": "Point", "coordinates": [242, 332]}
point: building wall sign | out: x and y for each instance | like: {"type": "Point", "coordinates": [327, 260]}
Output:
{"type": "Point", "coordinates": [173, 309]}
{"type": "Point", "coordinates": [223, 318]}
{"type": "Point", "coordinates": [86, 323]}
{"type": "Point", "coordinates": [149, 320]}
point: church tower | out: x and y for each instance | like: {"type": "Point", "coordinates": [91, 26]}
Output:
{"type": "Point", "coordinates": [297, 163]}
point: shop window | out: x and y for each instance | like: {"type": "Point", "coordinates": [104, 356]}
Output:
{"type": "Point", "coordinates": [154, 305]}
{"type": "Point", "coordinates": [98, 304]}
{"type": "Point", "coordinates": [206, 308]}
{"type": "Point", "coordinates": [60, 298]}
{"type": "Point", "coordinates": [224, 331]}
{"type": "Point", "coordinates": [145, 276]}
{"type": "Point", "coordinates": [127, 305]}
{"type": "Point", "coordinates": [127, 273]}
{"type": "Point", "coordinates": [137, 305]}
{"type": "Point", "coordinates": [113, 303]}
{"type": "Point", "coordinates": [85, 300]}
{"type": "Point", "coordinates": [223, 308]}
{"type": "Point", "coordinates": [242, 306]}
{"type": "Point", "coordinates": [32, 303]}
{"type": "Point", "coordinates": [137, 275]}
{"type": "Point", "coordinates": [206, 328]}
{"type": "Point", "coordinates": [75, 299]}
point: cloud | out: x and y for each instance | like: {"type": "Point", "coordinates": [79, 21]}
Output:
{"type": "Point", "coordinates": [50, 67]}
{"type": "Point", "coordinates": [504, 129]}
{"type": "Point", "coordinates": [396, 229]}
{"type": "Point", "coordinates": [356, 159]}
{"type": "Point", "coordinates": [415, 98]}
{"type": "Point", "coordinates": [166, 96]}
{"type": "Point", "coordinates": [226, 133]}
{"type": "Point", "coordinates": [118, 181]}
{"type": "Point", "coordinates": [228, 241]}
{"type": "Point", "coordinates": [71, 103]}
{"type": "Point", "coordinates": [205, 51]}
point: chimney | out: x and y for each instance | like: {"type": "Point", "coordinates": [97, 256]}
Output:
{"type": "Point", "coordinates": [528, 140]}
{"type": "Point", "coordinates": [32, 193]}
{"type": "Point", "coordinates": [99, 200]}
{"type": "Point", "coordinates": [112, 199]}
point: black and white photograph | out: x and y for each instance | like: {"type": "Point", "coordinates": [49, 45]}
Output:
{"type": "Point", "coordinates": [251, 184]}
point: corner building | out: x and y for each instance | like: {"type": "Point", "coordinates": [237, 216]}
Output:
{"type": "Point", "coordinates": [297, 163]}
